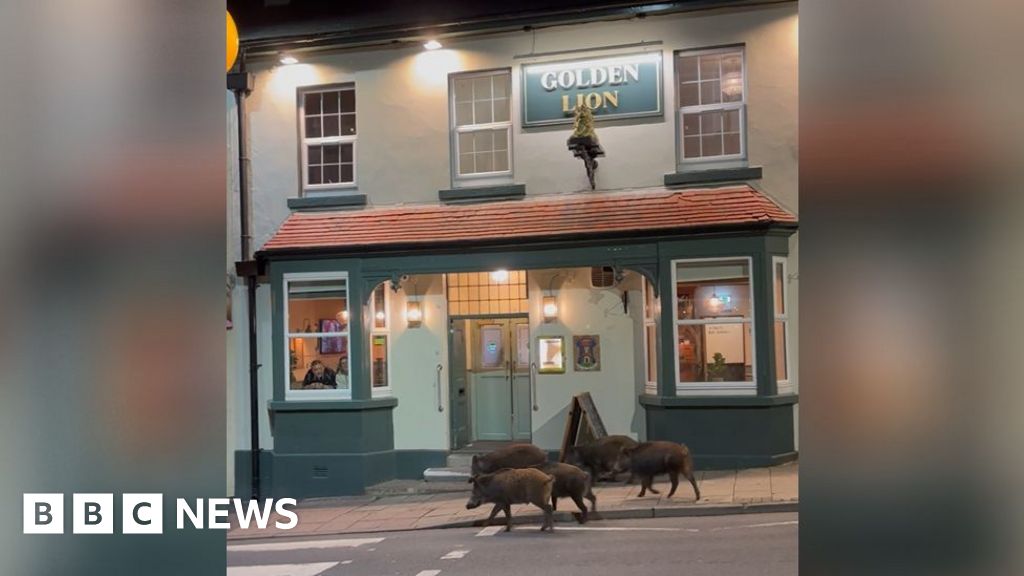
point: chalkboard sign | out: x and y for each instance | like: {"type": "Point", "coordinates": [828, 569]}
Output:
{"type": "Point", "coordinates": [583, 424]}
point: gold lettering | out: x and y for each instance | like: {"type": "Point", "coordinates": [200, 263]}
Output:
{"type": "Point", "coordinates": [593, 100]}
{"type": "Point", "coordinates": [611, 98]}
{"type": "Point", "coordinates": [565, 103]}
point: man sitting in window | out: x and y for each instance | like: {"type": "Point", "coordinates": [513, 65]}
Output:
{"type": "Point", "coordinates": [318, 377]}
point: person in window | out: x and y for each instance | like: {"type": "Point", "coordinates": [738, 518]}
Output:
{"type": "Point", "coordinates": [318, 377]}
{"type": "Point", "coordinates": [341, 372]}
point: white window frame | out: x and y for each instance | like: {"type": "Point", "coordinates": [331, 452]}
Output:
{"type": "Point", "coordinates": [650, 320]}
{"type": "Point", "coordinates": [783, 386]}
{"type": "Point", "coordinates": [304, 142]}
{"type": "Point", "coordinates": [386, 332]}
{"type": "Point", "coordinates": [724, 159]}
{"type": "Point", "coordinates": [327, 393]}
{"type": "Point", "coordinates": [459, 179]}
{"type": "Point", "coordinates": [742, 388]}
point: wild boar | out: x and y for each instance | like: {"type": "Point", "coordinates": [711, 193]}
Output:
{"type": "Point", "coordinates": [602, 457]}
{"type": "Point", "coordinates": [514, 456]}
{"type": "Point", "coordinates": [571, 482]}
{"type": "Point", "coordinates": [649, 459]}
{"type": "Point", "coordinates": [513, 486]}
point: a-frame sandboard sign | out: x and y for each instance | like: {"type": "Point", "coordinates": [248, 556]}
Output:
{"type": "Point", "coordinates": [583, 424]}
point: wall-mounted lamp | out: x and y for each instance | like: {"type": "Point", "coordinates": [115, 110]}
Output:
{"type": "Point", "coordinates": [413, 314]}
{"type": "Point", "coordinates": [550, 309]}
{"type": "Point", "coordinates": [287, 59]}
{"type": "Point", "coordinates": [432, 45]}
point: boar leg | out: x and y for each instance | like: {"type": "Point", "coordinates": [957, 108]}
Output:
{"type": "Point", "coordinates": [494, 512]}
{"type": "Point", "coordinates": [549, 518]}
{"type": "Point", "coordinates": [508, 518]}
{"type": "Point", "coordinates": [688, 474]}
{"type": "Point", "coordinates": [582, 516]}
{"type": "Point", "coordinates": [593, 499]}
{"type": "Point", "coordinates": [554, 502]}
{"type": "Point", "coordinates": [673, 477]}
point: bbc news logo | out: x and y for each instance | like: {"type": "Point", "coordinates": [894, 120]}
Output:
{"type": "Point", "coordinates": [144, 513]}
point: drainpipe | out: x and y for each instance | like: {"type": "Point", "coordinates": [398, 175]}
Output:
{"type": "Point", "coordinates": [240, 82]}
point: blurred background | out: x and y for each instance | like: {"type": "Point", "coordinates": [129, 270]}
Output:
{"type": "Point", "coordinates": [112, 259]}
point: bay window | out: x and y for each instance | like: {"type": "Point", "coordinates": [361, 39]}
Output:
{"type": "Point", "coordinates": [650, 339]}
{"type": "Point", "coordinates": [714, 338]}
{"type": "Point", "coordinates": [316, 319]}
{"type": "Point", "coordinates": [780, 300]}
{"type": "Point", "coordinates": [380, 342]}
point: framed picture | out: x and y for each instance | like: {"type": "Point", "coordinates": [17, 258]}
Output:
{"type": "Point", "coordinates": [586, 353]}
{"type": "Point", "coordinates": [551, 353]}
{"type": "Point", "coordinates": [331, 344]}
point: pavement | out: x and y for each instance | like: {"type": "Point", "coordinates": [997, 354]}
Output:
{"type": "Point", "coordinates": [754, 490]}
{"type": "Point", "coordinates": [740, 545]}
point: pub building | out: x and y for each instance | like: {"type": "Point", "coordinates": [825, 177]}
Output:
{"type": "Point", "coordinates": [434, 273]}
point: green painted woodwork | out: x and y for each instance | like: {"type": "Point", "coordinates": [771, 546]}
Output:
{"type": "Point", "coordinates": [322, 431]}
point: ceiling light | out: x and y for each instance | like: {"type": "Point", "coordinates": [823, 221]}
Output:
{"type": "Point", "coordinates": [432, 45]}
{"type": "Point", "coordinates": [288, 59]}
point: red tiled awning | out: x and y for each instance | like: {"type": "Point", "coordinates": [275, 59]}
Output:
{"type": "Point", "coordinates": [533, 218]}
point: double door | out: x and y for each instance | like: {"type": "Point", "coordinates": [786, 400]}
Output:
{"type": "Point", "coordinates": [499, 375]}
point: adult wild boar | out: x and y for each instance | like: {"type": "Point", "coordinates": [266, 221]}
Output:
{"type": "Point", "coordinates": [649, 459]}
{"type": "Point", "coordinates": [571, 482]}
{"type": "Point", "coordinates": [513, 486]}
{"type": "Point", "coordinates": [513, 456]}
{"type": "Point", "coordinates": [602, 457]}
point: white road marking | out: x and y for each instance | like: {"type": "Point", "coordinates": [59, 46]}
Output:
{"type": "Point", "coordinates": [490, 531]}
{"type": "Point", "coordinates": [282, 569]}
{"type": "Point", "coordinates": [626, 529]}
{"type": "Point", "coordinates": [455, 555]}
{"type": "Point", "coordinates": [304, 545]}
{"type": "Point", "coordinates": [765, 525]}
{"type": "Point", "coordinates": [429, 573]}
{"type": "Point", "coordinates": [346, 561]}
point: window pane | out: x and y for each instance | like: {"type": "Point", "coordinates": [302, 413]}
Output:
{"type": "Point", "coordinates": [467, 163]}
{"type": "Point", "coordinates": [346, 152]}
{"type": "Point", "coordinates": [501, 161]}
{"type": "Point", "coordinates": [332, 175]}
{"type": "Point", "coordinates": [781, 369]}
{"type": "Point", "coordinates": [347, 173]}
{"type": "Point", "coordinates": [492, 346]}
{"type": "Point", "coordinates": [315, 175]}
{"type": "Point", "coordinates": [463, 90]}
{"type": "Point", "coordinates": [317, 306]}
{"type": "Point", "coordinates": [379, 360]}
{"type": "Point", "coordinates": [709, 66]}
{"type": "Point", "coordinates": [501, 84]}
{"type": "Point", "coordinates": [732, 63]}
{"type": "Point", "coordinates": [482, 88]}
{"type": "Point", "coordinates": [318, 363]}
{"type": "Point", "coordinates": [650, 344]}
{"type": "Point", "coordinates": [711, 145]}
{"type": "Point", "coordinates": [710, 122]}
{"type": "Point", "coordinates": [732, 120]}
{"type": "Point", "coordinates": [689, 94]}
{"type": "Point", "coordinates": [731, 144]}
{"type": "Point", "coordinates": [379, 307]}
{"type": "Point", "coordinates": [463, 113]}
{"type": "Point", "coordinates": [348, 124]}
{"type": "Point", "coordinates": [691, 350]}
{"type": "Point", "coordinates": [311, 104]}
{"type": "Point", "coordinates": [484, 162]}
{"type": "Point", "coordinates": [465, 142]}
{"type": "Point", "coordinates": [313, 154]}
{"type": "Point", "coordinates": [330, 126]}
{"type": "Point", "coordinates": [687, 68]}
{"type": "Point", "coordinates": [501, 139]}
{"type": "Point", "coordinates": [714, 289]}
{"type": "Point", "coordinates": [501, 110]}
{"type": "Point", "coordinates": [710, 92]}
{"type": "Point", "coordinates": [483, 141]}
{"type": "Point", "coordinates": [331, 154]}
{"type": "Point", "coordinates": [715, 353]}
{"type": "Point", "coordinates": [779, 286]}
{"type": "Point", "coordinates": [691, 124]}
{"type": "Point", "coordinates": [313, 127]}
{"type": "Point", "coordinates": [732, 88]}
{"type": "Point", "coordinates": [482, 112]}
{"type": "Point", "coordinates": [330, 102]}
{"type": "Point", "coordinates": [691, 147]}
{"type": "Point", "coordinates": [347, 100]}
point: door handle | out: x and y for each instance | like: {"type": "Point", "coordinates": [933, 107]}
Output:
{"type": "Point", "coordinates": [533, 385]}
{"type": "Point", "coordinates": [440, 404]}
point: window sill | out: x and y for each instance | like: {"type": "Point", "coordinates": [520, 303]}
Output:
{"type": "Point", "coordinates": [483, 193]}
{"type": "Point", "coordinates": [714, 401]}
{"type": "Point", "coordinates": [330, 405]}
{"type": "Point", "coordinates": [327, 202]}
{"type": "Point", "coordinates": [711, 176]}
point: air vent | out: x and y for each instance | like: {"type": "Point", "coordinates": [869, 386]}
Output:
{"type": "Point", "coordinates": [602, 277]}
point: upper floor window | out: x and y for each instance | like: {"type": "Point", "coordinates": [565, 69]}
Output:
{"type": "Point", "coordinates": [481, 124]}
{"type": "Point", "coordinates": [327, 121]}
{"type": "Point", "coordinates": [711, 92]}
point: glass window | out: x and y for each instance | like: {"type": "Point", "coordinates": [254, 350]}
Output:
{"type": "Point", "coordinates": [714, 315]}
{"type": "Point", "coordinates": [328, 125]}
{"type": "Point", "coordinates": [379, 360]}
{"type": "Point", "coordinates": [497, 292]}
{"type": "Point", "coordinates": [316, 316]}
{"type": "Point", "coordinates": [380, 339]}
{"type": "Point", "coordinates": [779, 283]}
{"type": "Point", "coordinates": [481, 125]}
{"type": "Point", "coordinates": [650, 338]}
{"type": "Point", "coordinates": [712, 104]}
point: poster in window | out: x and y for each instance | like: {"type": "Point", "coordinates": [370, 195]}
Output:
{"type": "Point", "coordinates": [551, 352]}
{"type": "Point", "coordinates": [726, 339]}
{"type": "Point", "coordinates": [331, 344]}
{"type": "Point", "coordinates": [587, 353]}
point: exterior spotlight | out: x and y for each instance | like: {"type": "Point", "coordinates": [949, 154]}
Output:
{"type": "Point", "coordinates": [550, 308]}
{"type": "Point", "coordinates": [500, 275]}
{"type": "Point", "coordinates": [413, 314]}
{"type": "Point", "coordinates": [432, 45]}
{"type": "Point", "coordinates": [288, 59]}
